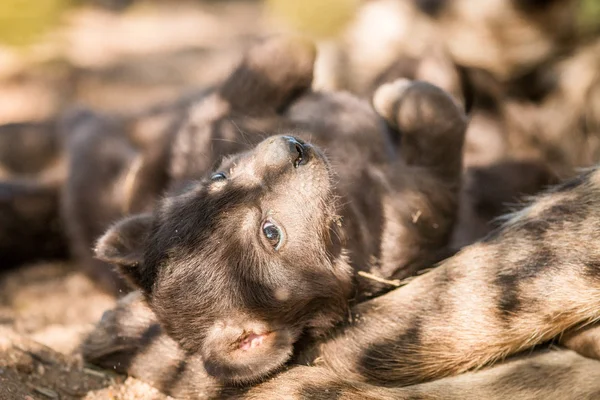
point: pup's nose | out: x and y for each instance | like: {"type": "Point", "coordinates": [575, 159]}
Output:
{"type": "Point", "coordinates": [297, 149]}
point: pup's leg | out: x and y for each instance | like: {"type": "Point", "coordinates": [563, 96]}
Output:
{"type": "Point", "coordinates": [242, 110]}
{"type": "Point", "coordinates": [428, 125]}
{"type": "Point", "coordinates": [428, 128]}
{"type": "Point", "coordinates": [271, 75]}
{"type": "Point", "coordinates": [535, 277]}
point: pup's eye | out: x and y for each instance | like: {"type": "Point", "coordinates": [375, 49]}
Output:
{"type": "Point", "coordinates": [273, 234]}
{"type": "Point", "coordinates": [218, 177]}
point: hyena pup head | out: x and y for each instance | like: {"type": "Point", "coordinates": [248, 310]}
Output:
{"type": "Point", "coordinates": [238, 264]}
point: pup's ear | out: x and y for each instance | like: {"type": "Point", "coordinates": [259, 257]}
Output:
{"type": "Point", "coordinates": [123, 245]}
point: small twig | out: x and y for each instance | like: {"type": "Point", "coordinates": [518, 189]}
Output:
{"type": "Point", "coordinates": [96, 373]}
{"type": "Point", "coordinates": [44, 391]}
{"type": "Point", "coordinates": [367, 275]}
{"type": "Point", "coordinates": [73, 392]}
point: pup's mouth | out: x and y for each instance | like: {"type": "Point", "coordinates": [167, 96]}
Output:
{"type": "Point", "coordinates": [253, 340]}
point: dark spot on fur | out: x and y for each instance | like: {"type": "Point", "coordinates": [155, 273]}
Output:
{"type": "Point", "coordinates": [592, 269]}
{"type": "Point", "coordinates": [535, 227]}
{"type": "Point", "coordinates": [509, 302]}
{"type": "Point", "coordinates": [512, 299]}
{"type": "Point", "coordinates": [374, 359]}
{"type": "Point", "coordinates": [175, 374]}
{"type": "Point", "coordinates": [553, 218]}
{"type": "Point", "coordinates": [564, 212]}
{"type": "Point", "coordinates": [567, 215]}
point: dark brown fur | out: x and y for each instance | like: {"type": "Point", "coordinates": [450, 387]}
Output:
{"type": "Point", "coordinates": [246, 304]}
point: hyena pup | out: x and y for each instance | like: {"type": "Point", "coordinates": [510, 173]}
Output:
{"type": "Point", "coordinates": [283, 206]}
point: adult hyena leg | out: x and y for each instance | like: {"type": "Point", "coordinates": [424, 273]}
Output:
{"type": "Point", "coordinates": [129, 340]}
{"type": "Point", "coordinates": [535, 277]}
{"type": "Point", "coordinates": [552, 375]}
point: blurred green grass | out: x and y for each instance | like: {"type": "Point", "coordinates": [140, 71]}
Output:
{"type": "Point", "coordinates": [316, 18]}
{"type": "Point", "coordinates": [22, 22]}
{"type": "Point", "coordinates": [589, 14]}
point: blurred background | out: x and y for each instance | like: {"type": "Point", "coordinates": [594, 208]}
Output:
{"type": "Point", "coordinates": [120, 55]}
{"type": "Point", "coordinates": [527, 72]}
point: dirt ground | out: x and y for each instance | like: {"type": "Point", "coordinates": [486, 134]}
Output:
{"type": "Point", "coordinates": [46, 310]}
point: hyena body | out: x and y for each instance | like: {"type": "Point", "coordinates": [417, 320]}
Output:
{"type": "Point", "coordinates": [534, 279]}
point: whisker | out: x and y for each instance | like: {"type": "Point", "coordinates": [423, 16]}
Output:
{"type": "Point", "coordinates": [229, 141]}
{"type": "Point", "coordinates": [244, 134]}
